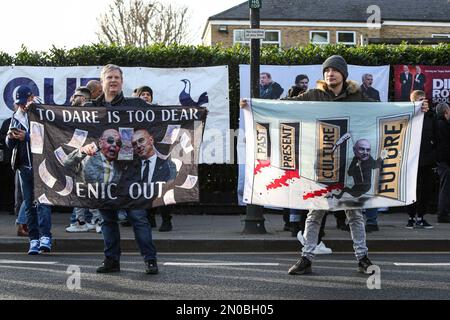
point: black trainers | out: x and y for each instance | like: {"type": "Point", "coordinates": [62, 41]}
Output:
{"type": "Point", "coordinates": [410, 224]}
{"type": "Point", "coordinates": [165, 226]}
{"type": "Point", "coordinates": [423, 224]}
{"type": "Point", "coordinates": [302, 266]}
{"type": "Point", "coordinates": [151, 267]}
{"type": "Point", "coordinates": [108, 266]}
{"type": "Point", "coordinates": [363, 264]}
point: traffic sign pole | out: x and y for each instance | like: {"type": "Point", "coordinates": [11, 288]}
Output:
{"type": "Point", "coordinates": [254, 218]}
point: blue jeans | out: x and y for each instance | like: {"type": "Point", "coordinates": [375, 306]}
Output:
{"type": "Point", "coordinates": [22, 217]}
{"type": "Point", "coordinates": [371, 216]}
{"type": "Point", "coordinates": [39, 220]}
{"type": "Point", "coordinates": [142, 233]}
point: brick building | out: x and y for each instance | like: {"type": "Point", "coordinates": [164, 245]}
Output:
{"type": "Point", "coordinates": [352, 22]}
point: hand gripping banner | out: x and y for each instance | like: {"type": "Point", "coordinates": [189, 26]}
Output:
{"type": "Point", "coordinates": [123, 157]}
{"type": "Point", "coordinates": [331, 155]}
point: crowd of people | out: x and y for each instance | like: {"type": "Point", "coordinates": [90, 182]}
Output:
{"type": "Point", "coordinates": [34, 219]}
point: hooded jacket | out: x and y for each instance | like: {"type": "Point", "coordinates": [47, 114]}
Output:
{"type": "Point", "coordinates": [351, 92]}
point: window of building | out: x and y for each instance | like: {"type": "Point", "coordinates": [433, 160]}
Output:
{"type": "Point", "coordinates": [440, 35]}
{"type": "Point", "coordinates": [319, 37]}
{"type": "Point", "coordinates": [272, 38]}
{"type": "Point", "coordinates": [346, 37]}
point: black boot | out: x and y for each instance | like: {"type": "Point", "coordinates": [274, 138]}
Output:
{"type": "Point", "coordinates": [109, 265]}
{"type": "Point", "coordinates": [295, 228]}
{"type": "Point", "coordinates": [166, 222]}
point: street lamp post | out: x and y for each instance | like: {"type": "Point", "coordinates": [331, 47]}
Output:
{"type": "Point", "coordinates": [254, 218]}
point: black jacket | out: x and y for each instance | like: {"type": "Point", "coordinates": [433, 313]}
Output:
{"type": "Point", "coordinates": [271, 91]}
{"type": "Point", "coordinates": [21, 150]}
{"type": "Point", "coordinates": [443, 140]}
{"type": "Point", "coordinates": [118, 101]}
{"type": "Point", "coordinates": [427, 155]}
{"type": "Point", "coordinates": [371, 92]}
{"type": "Point", "coordinates": [3, 133]}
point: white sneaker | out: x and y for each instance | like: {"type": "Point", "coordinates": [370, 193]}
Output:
{"type": "Point", "coordinates": [300, 238]}
{"type": "Point", "coordinates": [77, 227]}
{"type": "Point", "coordinates": [322, 249]}
{"type": "Point", "coordinates": [98, 228]}
{"type": "Point", "coordinates": [91, 226]}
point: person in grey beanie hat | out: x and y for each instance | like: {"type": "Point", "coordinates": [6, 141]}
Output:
{"type": "Point", "coordinates": [338, 63]}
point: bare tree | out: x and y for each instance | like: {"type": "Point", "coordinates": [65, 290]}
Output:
{"type": "Point", "coordinates": [143, 22]}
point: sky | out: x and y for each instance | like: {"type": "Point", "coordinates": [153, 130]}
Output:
{"type": "Point", "coordinates": [39, 24]}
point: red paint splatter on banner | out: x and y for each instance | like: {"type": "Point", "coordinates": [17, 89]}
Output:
{"type": "Point", "coordinates": [261, 164]}
{"type": "Point", "coordinates": [321, 192]}
{"type": "Point", "coordinates": [283, 181]}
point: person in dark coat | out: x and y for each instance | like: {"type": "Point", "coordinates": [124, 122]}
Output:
{"type": "Point", "coordinates": [425, 174]}
{"type": "Point", "coordinates": [406, 83]}
{"type": "Point", "coordinates": [269, 89]}
{"type": "Point", "coordinates": [443, 161]}
{"type": "Point", "coordinates": [368, 89]}
{"type": "Point", "coordinates": [419, 80]}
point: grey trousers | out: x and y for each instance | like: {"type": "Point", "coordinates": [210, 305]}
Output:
{"type": "Point", "coordinates": [357, 229]}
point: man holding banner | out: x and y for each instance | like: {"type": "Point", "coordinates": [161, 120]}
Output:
{"type": "Point", "coordinates": [335, 87]}
{"type": "Point", "coordinates": [112, 81]}
{"type": "Point", "coordinates": [310, 182]}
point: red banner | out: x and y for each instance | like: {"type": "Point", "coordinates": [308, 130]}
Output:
{"type": "Point", "coordinates": [434, 80]}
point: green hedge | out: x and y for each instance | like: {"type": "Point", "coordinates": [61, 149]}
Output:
{"type": "Point", "coordinates": [222, 178]}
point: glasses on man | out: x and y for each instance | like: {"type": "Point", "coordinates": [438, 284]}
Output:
{"type": "Point", "coordinates": [112, 141]}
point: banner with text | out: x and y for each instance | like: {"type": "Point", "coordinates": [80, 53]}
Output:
{"type": "Point", "coordinates": [433, 80]}
{"type": "Point", "coordinates": [282, 78]}
{"type": "Point", "coordinates": [331, 155]}
{"type": "Point", "coordinates": [116, 157]}
{"type": "Point", "coordinates": [203, 87]}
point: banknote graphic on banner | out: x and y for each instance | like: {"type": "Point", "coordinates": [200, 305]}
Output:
{"type": "Point", "coordinates": [434, 80]}
{"type": "Point", "coordinates": [360, 156]}
{"type": "Point", "coordinates": [116, 157]}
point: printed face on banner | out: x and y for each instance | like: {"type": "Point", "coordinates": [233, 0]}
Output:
{"type": "Point", "coordinates": [108, 158]}
{"type": "Point", "coordinates": [361, 156]}
{"type": "Point", "coordinates": [433, 80]}
{"type": "Point", "coordinates": [143, 144]}
{"type": "Point", "coordinates": [110, 144]}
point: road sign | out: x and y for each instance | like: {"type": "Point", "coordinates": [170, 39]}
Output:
{"type": "Point", "coordinates": [254, 34]}
{"type": "Point", "coordinates": [255, 4]}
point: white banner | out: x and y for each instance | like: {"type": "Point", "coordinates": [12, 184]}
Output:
{"type": "Point", "coordinates": [331, 156]}
{"type": "Point", "coordinates": [285, 77]}
{"type": "Point", "coordinates": [55, 85]}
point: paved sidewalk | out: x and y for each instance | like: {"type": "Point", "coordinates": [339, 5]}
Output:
{"type": "Point", "coordinates": [223, 233]}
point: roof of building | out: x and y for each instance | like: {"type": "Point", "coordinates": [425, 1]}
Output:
{"type": "Point", "coordinates": [342, 10]}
